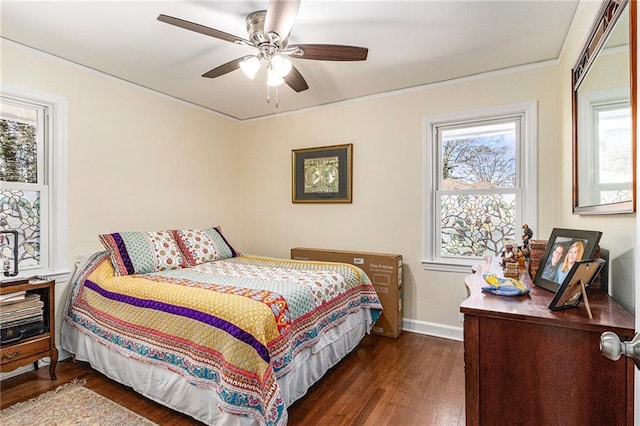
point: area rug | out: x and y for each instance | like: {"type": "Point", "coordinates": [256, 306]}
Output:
{"type": "Point", "coordinates": [71, 404]}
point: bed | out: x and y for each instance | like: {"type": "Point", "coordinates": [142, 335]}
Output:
{"type": "Point", "coordinates": [223, 337]}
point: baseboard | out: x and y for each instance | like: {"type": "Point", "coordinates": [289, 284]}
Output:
{"type": "Point", "coordinates": [432, 329]}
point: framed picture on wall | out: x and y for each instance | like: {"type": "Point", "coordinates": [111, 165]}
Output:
{"type": "Point", "coordinates": [564, 248]}
{"type": "Point", "coordinates": [322, 175]}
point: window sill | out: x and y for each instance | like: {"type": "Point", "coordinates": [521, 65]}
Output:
{"type": "Point", "coordinates": [58, 277]}
{"type": "Point", "coordinates": [449, 266]}
{"type": "Point", "coordinates": [61, 276]}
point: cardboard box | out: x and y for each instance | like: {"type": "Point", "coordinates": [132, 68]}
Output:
{"type": "Point", "coordinates": [385, 272]}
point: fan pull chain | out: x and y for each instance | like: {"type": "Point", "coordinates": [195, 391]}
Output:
{"type": "Point", "coordinates": [269, 97]}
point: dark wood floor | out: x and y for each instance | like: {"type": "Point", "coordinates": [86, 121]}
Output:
{"type": "Point", "coordinates": [412, 380]}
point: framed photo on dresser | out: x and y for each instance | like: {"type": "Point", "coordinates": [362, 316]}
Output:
{"type": "Point", "coordinates": [564, 248]}
{"type": "Point", "coordinates": [570, 293]}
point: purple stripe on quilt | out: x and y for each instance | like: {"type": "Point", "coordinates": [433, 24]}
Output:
{"type": "Point", "coordinates": [124, 255]}
{"type": "Point", "coordinates": [212, 320]}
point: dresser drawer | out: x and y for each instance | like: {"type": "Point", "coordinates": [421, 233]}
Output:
{"type": "Point", "coordinates": [33, 346]}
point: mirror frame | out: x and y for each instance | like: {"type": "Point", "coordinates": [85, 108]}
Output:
{"type": "Point", "coordinates": [606, 19]}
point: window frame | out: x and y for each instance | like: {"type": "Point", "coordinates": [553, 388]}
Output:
{"type": "Point", "coordinates": [526, 176]}
{"type": "Point", "coordinates": [54, 227]}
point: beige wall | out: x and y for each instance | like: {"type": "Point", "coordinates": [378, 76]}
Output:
{"type": "Point", "coordinates": [136, 160]}
{"type": "Point", "coordinates": [387, 212]}
{"type": "Point", "coordinates": [139, 160]}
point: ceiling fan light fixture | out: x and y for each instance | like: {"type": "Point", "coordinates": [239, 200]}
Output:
{"type": "Point", "coordinates": [273, 79]}
{"type": "Point", "coordinates": [250, 66]}
{"type": "Point", "coordinates": [281, 65]}
{"type": "Point", "coordinates": [268, 32]}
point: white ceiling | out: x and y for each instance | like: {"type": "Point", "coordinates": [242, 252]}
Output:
{"type": "Point", "coordinates": [411, 43]}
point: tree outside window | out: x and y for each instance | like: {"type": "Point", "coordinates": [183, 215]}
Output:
{"type": "Point", "coordinates": [20, 195]}
{"type": "Point", "coordinates": [476, 199]}
{"type": "Point", "coordinates": [477, 160]}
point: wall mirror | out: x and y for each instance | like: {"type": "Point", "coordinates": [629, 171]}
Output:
{"type": "Point", "coordinates": [604, 114]}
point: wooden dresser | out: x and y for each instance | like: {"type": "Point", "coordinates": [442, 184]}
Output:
{"type": "Point", "coordinates": [528, 365]}
{"type": "Point", "coordinates": [31, 349]}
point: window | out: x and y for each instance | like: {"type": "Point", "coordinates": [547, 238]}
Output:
{"type": "Point", "coordinates": [480, 184]}
{"type": "Point", "coordinates": [33, 181]}
{"type": "Point", "coordinates": [606, 167]}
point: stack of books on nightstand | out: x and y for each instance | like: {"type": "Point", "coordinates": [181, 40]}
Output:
{"type": "Point", "coordinates": [21, 315]}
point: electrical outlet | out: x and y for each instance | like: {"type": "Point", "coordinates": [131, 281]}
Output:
{"type": "Point", "coordinates": [6, 265]}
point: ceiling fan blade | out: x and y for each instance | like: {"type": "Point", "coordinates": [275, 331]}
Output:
{"type": "Point", "coordinates": [330, 52]}
{"type": "Point", "coordinates": [224, 68]}
{"type": "Point", "coordinates": [280, 17]}
{"type": "Point", "coordinates": [295, 80]}
{"type": "Point", "coordinates": [201, 29]}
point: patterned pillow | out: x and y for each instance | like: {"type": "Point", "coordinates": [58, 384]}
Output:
{"type": "Point", "coordinates": [203, 245]}
{"type": "Point", "coordinates": [143, 252]}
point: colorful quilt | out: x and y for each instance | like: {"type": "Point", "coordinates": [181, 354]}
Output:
{"type": "Point", "coordinates": [232, 326]}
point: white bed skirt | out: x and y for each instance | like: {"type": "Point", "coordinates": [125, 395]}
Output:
{"type": "Point", "coordinates": [174, 391]}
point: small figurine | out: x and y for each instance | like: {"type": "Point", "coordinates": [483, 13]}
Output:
{"type": "Point", "coordinates": [508, 255]}
{"type": "Point", "coordinates": [522, 256]}
{"type": "Point", "coordinates": [527, 234]}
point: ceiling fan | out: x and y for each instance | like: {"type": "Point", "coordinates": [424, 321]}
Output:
{"type": "Point", "coordinates": [269, 33]}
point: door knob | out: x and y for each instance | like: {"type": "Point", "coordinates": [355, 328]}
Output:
{"type": "Point", "coordinates": [613, 348]}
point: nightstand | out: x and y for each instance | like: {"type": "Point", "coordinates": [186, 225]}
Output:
{"type": "Point", "coordinates": [30, 349]}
